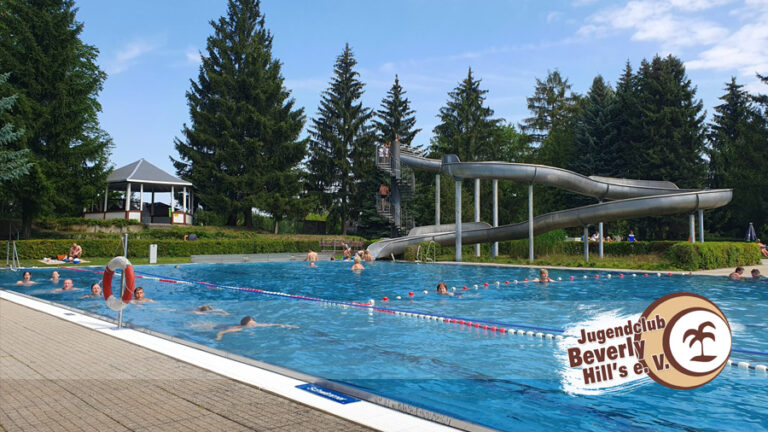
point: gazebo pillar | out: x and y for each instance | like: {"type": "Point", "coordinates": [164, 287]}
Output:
{"type": "Point", "coordinates": [170, 210]}
{"type": "Point", "coordinates": [128, 197]}
{"type": "Point", "coordinates": [141, 199]}
{"type": "Point", "coordinates": [184, 201]}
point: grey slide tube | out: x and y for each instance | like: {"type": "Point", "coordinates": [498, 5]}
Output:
{"type": "Point", "coordinates": [626, 199]}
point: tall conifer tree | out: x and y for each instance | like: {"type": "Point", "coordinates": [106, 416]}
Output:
{"type": "Point", "coordinates": [342, 147]}
{"type": "Point", "coordinates": [242, 149]}
{"type": "Point", "coordinates": [55, 76]}
{"type": "Point", "coordinates": [467, 127]}
{"type": "Point", "coordinates": [738, 158]}
{"type": "Point", "coordinates": [396, 118]}
{"type": "Point", "coordinates": [670, 141]}
{"type": "Point", "coordinates": [594, 146]}
{"type": "Point", "coordinates": [13, 163]}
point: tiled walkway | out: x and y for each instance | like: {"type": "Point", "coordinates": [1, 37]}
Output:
{"type": "Point", "coordinates": [56, 375]}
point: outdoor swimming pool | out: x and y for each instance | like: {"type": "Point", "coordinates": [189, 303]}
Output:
{"type": "Point", "coordinates": [509, 382]}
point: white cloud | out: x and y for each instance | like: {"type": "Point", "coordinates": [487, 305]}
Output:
{"type": "Point", "coordinates": [672, 23]}
{"type": "Point", "coordinates": [554, 17]}
{"type": "Point", "coordinates": [193, 56]}
{"type": "Point", "coordinates": [734, 40]}
{"type": "Point", "coordinates": [129, 55]}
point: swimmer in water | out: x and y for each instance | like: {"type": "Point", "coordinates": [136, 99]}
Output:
{"type": "Point", "coordinates": [26, 279]}
{"type": "Point", "coordinates": [358, 265]}
{"type": "Point", "coordinates": [543, 277]}
{"type": "Point", "coordinates": [140, 297]}
{"type": "Point", "coordinates": [55, 277]}
{"type": "Point", "coordinates": [442, 289]}
{"type": "Point", "coordinates": [95, 291]}
{"type": "Point", "coordinates": [249, 322]}
{"type": "Point", "coordinates": [68, 286]}
{"type": "Point", "coordinates": [202, 310]}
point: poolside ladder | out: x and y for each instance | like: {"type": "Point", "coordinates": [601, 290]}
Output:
{"type": "Point", "coordinates": [433, 247]}
{"type": "Point", "coordinates": [12, 257]}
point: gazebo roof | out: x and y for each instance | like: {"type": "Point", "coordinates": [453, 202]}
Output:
{"type": "Point", "coordinates": [143, 172]}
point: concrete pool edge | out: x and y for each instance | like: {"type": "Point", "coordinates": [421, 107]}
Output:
{"type": "Point", "coordinates": [372, 411]}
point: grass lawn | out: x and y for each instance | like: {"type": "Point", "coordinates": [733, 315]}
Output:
{"type": "Point", "coordinates": [102, 261]}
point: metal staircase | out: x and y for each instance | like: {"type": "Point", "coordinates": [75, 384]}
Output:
{"type": "Point", "coordinates": [406, 184]}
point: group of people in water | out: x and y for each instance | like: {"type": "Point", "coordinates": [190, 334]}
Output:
{"type": "Point", "coordinates": [738, 274]}
{"type": "Point", "coordinates": [358, 258]}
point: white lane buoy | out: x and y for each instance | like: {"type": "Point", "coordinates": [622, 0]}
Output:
{"type": "Point", "coordinates": [529, 333]}
{"type": "Point", "coordinates": [515, 280]}
{"type": "Point", "coordinates": [540, 335]}
{"type": "Point", "coordinates": [558, 337]}
{"type": "Point", "coordinates": [549, 336]}
{"type": "Point", "coordinates": [559, 278]}
{"type": "Point", "coordinates": [634, 274]}
{"type": "Point", "coordinates": [453, 288]}
{"type": "Point", "coordinates": [743, 365]}
{"type": "Point", "coordinates": [658, 274]}
{"type": "Point", "coordinates": [474, 286]}
{"type": "Point", "coordinates": [426, 292]}
{"type": "Point", "coordinates": [608, 276]}
{"type": "Point", "coordinates": [585, 276]}
{"type": "Point", "coordinates": [498, 283]}
{"type": "Point", "coordinates": [399, 298]}
{"type": "Point", "coordinates": [371, 302]}
{"type": "Point", "coordinates": [761, 368]}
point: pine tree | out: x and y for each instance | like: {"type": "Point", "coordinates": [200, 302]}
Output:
{"type": "Point", "coordinates": [396, 119]}
{"type": "Point", "coordinates": [670, 141]}
{"type": "Point", "coordinates": [242, 149]}
{"type": "Point", "coordinates": [13, 163]}
{"type": "Point", "coordinates": [56, 78]}
{"type": "Point", "coordinates": [627, 120]}
{"type": "Point", "coordinates": [342, 148]}
{"type": "Point", "coordinates": [595, 148]}
{"type": "Point", "coordinates": [738, 158]}
{"type": "Point", "coordinates": [467, 127]}
{"type": "Point", "coordinates": [549, 106]}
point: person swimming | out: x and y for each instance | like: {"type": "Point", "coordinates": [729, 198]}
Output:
{"type": "Point", "coordinates": [140, 297]}
{"type": "Point", "coordinates": [249, 322]}
{"type": "Point", "coordinates": [543, 277]}
{"type": "Point", "coordinates": [26, 279]}
{"type": "Point", "coordinates": [442, 289]}
{"type": "Point", "coordinates": [68, 286]}
{"type": "Point", "coordinates": [205, 309]}
{"type": "Point", "coordinates": [358, 265]}
{"type": "Point", "coordinates": [95, 291]}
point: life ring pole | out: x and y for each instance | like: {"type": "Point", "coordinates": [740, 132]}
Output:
{"type": "Point", "coordinates": [122, 282]}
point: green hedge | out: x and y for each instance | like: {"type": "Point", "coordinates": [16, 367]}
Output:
{"type": "Point", "coordinates": [63, 223]}
{"type": "Point", "coordinates": [38, 249]}
{"type": "Point", "coordinates": [712, 255]}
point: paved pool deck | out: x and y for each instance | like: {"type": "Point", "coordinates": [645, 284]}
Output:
{"type": "Point", "coordinates": [58, 376]}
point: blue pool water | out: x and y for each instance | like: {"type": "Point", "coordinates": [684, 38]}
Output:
{"type": "Point", "coordinates": [507, 382]}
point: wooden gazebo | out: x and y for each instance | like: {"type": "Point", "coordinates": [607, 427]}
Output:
{"type": "Point", "coordinates": [142, 177]}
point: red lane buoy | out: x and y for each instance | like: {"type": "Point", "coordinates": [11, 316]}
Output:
{"type": "Point", "coordinates": [385, 298]}
{"type": "Point", "coordinates": [485, 284]}
{"type": "Point", "coordinates": [493, 328]}
{"type": "Point", "coordinates": [525, 280]}
{"type": "Point", "coordinates": [572, 278]}
{"type": "Point", "coordinates": [465, 287]}
{"type": "Point", "coordinates": [597, 276]}
{"type": "Point", "coordinates": [410, 293]}
{"type": "Point", "coordinates": [645, 275]}
{"type": "Point", "coordinates": [669, 274]}
{"type": "Point", "coordinates": [506, 282]}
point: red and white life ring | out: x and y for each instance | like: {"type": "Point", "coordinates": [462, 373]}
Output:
{"type": "Point", "coordinates": [123, 264]}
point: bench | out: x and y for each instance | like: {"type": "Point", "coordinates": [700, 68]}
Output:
{"type": "Point", "coordinates": [333, 244]}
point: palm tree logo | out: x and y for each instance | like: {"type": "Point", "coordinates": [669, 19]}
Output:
{"type": "Point", "coordinates": [698, 336]}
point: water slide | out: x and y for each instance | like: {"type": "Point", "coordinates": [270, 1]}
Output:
{"type": "Point", "coordinates": [623, 199]}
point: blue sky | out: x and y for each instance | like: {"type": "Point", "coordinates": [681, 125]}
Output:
{"type": "Point", "coordinates": [150, 51]}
